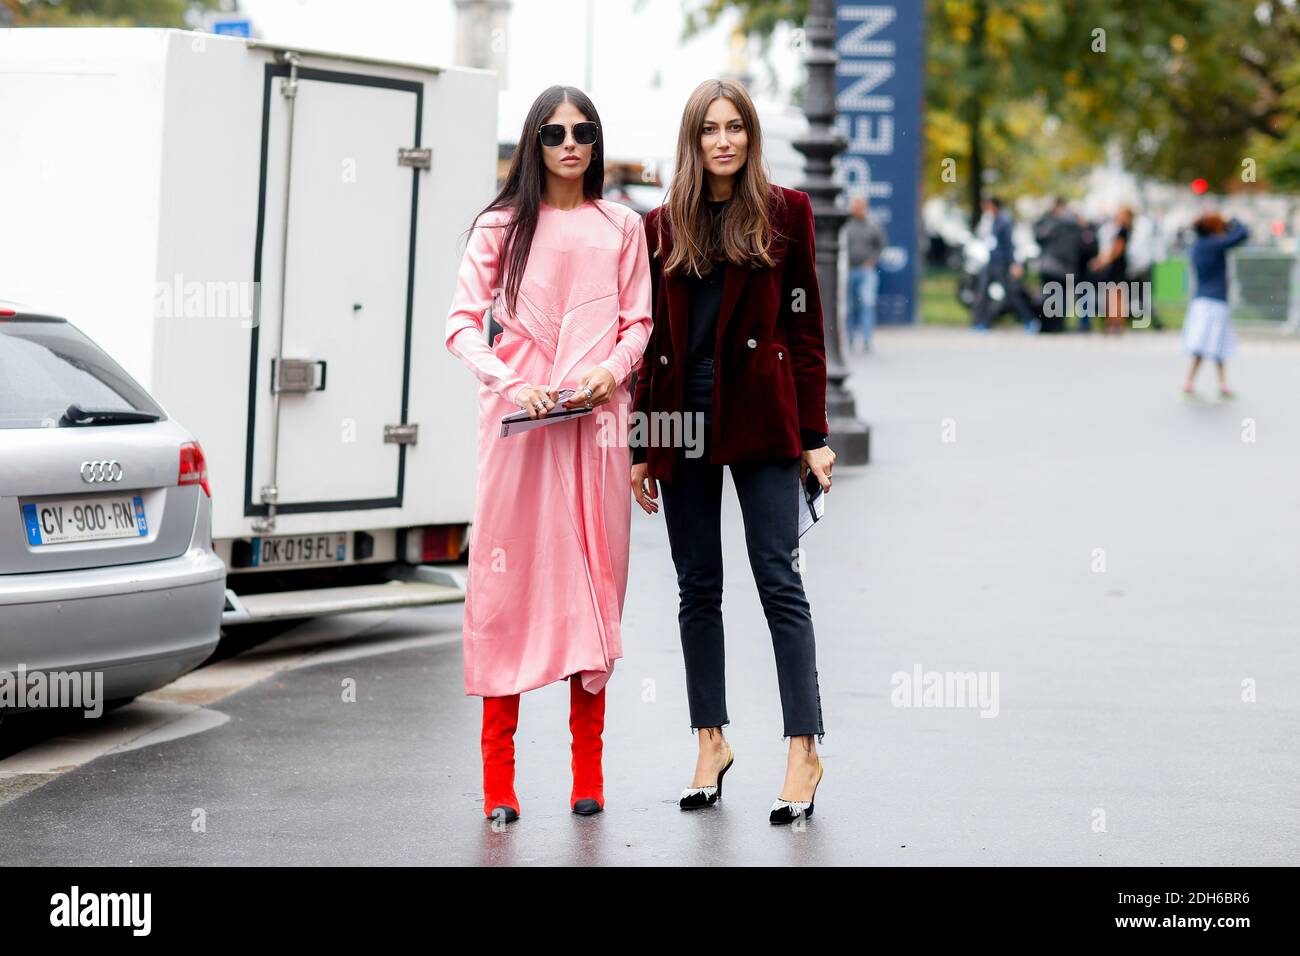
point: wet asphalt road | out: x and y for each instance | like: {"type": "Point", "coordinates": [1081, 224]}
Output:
{"type": "Point", "coordinates": [1119, 734]}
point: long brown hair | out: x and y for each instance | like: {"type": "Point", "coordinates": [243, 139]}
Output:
{"type": "Point", "coordinates": [745, 233]}
{"type": "Point", "coordinates": [521, 193]}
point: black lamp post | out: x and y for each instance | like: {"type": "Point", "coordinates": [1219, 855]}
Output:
{"type": "Point", "coordinates": [849, 437]}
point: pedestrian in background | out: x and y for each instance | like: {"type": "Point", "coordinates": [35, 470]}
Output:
{"type": "Point", "coordinates": [567, 277]}
{"type": "Point", "coordinates": [1207, 328]}
{"type": "Point", "coordinates": [1060, 240]}
{"type": "Point", "coordinates": [865, 239]}
{"type": "Point", "coordinates": [1089, 247]}
{"type": "Point", "coordinates": [1146, 247]}
{"type": "Point", "coordinates": [738, 341]}
{"type": "Point", "coordinates": [1002, 272]}
{"type": "Point", "coordinates": [1111, 270]}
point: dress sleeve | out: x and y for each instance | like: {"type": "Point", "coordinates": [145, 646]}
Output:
{"type": "Point", "coordinates": [1236, 234]}
{"type": "Point", "coordinates": [474, 296]}
{"type": "Point", "coordinates": [634, 297]}
{"type": "Point", "coordinates": [641, 400]}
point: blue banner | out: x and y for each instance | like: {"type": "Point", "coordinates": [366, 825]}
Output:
{"type": "Point", "coordinates": [879, 81]}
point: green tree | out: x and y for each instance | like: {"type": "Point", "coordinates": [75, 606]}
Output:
{"type": "Point", "coordinates": [987, 91]}
{"type": "Point", "coordinates": [1197, 88]}
{"type": "Point", "coordinates": [988, 82]}
{"type": "Point", "coordinates": [1026, 93]}
{"type": "Point", "coordinates": [89, 13]}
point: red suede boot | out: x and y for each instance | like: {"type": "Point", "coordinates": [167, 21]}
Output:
{"type": "Point", "coordinates": [586, 723]}
{"type": "Point", "coordinates": [500, 718]}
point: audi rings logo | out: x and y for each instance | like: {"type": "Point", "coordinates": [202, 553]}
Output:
{"type": "Point", "coordinates": [98, 472]}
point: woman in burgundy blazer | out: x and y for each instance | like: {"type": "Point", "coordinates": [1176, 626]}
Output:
{"type": "Point", "coordinates": [738, 345]}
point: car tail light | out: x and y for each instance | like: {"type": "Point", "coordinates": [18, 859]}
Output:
{"type": "Point", "coordinates": [440, 542]}
{"type": "Point", "coordinates": [194, 467]}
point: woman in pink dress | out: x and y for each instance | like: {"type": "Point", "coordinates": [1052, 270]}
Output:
{"type": "Point", "coordinates": [567, 277]}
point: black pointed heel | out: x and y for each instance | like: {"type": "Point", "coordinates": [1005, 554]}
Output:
{"type": "Point", "coordinates": [696, 798]}
{"type": "Point", "coordinates": [787, 811]}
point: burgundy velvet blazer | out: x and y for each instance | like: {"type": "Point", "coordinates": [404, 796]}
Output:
{"type": "Point", "coordinates": [770, 356]}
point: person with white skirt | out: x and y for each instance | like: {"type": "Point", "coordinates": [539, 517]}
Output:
{"type": "Point", "coordinates": [1207, 327]}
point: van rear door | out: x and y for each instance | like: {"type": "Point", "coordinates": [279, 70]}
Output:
{"type": "Point", "coordinates": [338, 352]}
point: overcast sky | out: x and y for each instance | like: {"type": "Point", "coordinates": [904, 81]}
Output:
{"type": "Point", "coordinates": [642, 71]}
{"type": "Point", "coordinates": [634, 43]}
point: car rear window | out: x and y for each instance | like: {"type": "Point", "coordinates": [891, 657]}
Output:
{"type": "Point", "coordinates": [45, 366]}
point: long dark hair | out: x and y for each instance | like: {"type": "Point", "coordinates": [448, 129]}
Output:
{"type": "Point", "coordinates": [521, 193]}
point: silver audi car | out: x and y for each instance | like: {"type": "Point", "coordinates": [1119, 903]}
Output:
{"type": "Point", "coordinates": [106, 560]}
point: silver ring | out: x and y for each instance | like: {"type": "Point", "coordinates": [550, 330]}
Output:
{"type": "Point", "coordinates": [587, 389]}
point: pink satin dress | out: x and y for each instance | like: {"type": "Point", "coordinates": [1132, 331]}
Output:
{"type": "Point", "coordinates": [548, 549]}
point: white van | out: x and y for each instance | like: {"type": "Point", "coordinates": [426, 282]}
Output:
{"type": "Point", "coordinates": [267, 240]}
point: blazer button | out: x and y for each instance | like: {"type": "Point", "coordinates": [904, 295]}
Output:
{"type": "Point", "coordinates": [752, 344]}
{"type": "Point", "coordinates": [663, 360]}
{"type": "Point", "coordinates": [780, 355]}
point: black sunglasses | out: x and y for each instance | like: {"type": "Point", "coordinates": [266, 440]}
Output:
{"type": "Point", "coordinates": [552, 134]}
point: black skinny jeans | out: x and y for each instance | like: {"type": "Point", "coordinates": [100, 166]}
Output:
{"type": "Point", "coordinates": [768, 492]}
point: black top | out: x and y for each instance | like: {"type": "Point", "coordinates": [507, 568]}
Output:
{"type": "Point", "coordinates": [706, 304]}
{"type": "Point", "coordinates": [702, 330]}
{"type": "Point", "coordinates": [1117, 269]}
{"type": "Point", "coordinates": [705, 299]}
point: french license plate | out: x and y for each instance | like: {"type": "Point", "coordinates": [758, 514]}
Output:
{"type": "Point", "coordinates": [85, 519]}
{"type": "Point", "coordinates": [299, 549]}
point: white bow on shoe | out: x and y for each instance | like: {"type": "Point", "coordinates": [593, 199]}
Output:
{"type": "Point", "coordinates": [692, 791]}
{"type": "Point", "coordinates": [798, 807]}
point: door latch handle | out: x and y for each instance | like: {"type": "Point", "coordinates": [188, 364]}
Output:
{"type": "Point", "coordinates": [297, 375]}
